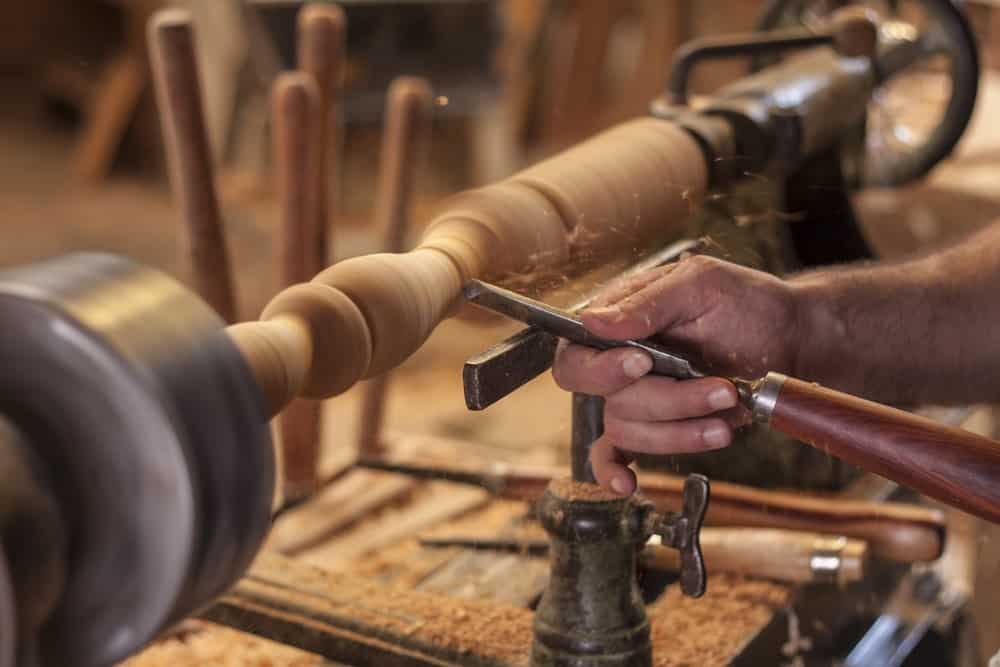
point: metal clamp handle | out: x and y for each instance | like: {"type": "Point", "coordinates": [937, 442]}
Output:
{"type": "Point", "coordinates": [682, 531]}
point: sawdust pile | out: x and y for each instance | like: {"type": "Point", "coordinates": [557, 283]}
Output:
{"type": "Point", "coordinates": [572, 490]}
{"type": "Point", "coordinates": [489, 631]}
{"type": "Point", "coordinates": [214, 646]}
{"type": "Point", "coordinates": [711, 631]}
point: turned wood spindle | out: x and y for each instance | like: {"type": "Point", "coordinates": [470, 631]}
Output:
{"type": "Point", "coordinates": [189, 155]}
{"type": "Point", "coordinates": [321, 38]}
{"type": "Point", "coordinates": [404, 142]}
{"type": "Point", "coordinates": [295, 122]}
{"type": "Point", "coordinates": [364, 316]}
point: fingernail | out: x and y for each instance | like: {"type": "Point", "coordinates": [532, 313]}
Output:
{"type": "Point", "coordinates": [721, 398]}
{"type": "Point", "coordinates": [619, 485]}
{"type": "Point", "coordinates": [715, 436]}
{"type": "Point", "coordinates": [636, 365]}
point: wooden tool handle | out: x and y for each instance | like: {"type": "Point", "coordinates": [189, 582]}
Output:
{"type": "Point", "coordinates": [189, 156]}
{"type": "Point", "coordinates": [901, 532]}
{"type": "Point", "coordinates": [782, 555]}
{"type": "Point", "coordinates": [953, 465]}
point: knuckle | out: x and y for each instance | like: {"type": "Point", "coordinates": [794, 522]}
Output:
{"type": "Point", "coordinates": [566, 369]}
{"type": "Point", "coordinates": [700, 262]}
{"type": "Point", "coordinates": [710, 268]}
{"type": "Point", "coordinates": [616, 404]}
{"type": "Point", "coordinates": [558, 370]}
{"type": "Point", "coordinates": [615, 430]}
{"type": "Point", "coordinates": [687, 437]}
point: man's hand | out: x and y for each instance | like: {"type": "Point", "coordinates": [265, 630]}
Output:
{"type": "Point", "coordinates": [735, 321]}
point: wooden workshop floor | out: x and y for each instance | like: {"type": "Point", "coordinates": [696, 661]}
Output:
{"type": "Point", "coordinates": [42, 213]}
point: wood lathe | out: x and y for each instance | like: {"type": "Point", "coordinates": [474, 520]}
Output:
{"type": "Point", "coordinates": [135, 421]}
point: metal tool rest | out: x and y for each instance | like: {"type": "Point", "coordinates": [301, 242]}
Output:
{"type": "Point", "coordinates": [592, 611]}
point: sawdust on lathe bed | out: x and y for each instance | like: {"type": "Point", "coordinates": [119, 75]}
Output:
{"type": "Point", "coordinates": [710, 631]}
{"type": "Point", "coordinates": [215, 646]}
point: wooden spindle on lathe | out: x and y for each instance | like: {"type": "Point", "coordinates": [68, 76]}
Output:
{"type": "Point", "coordinates": [404, 142]}
{"type": "Point", "coordinates": [295, 123]}
{"type": "Point", "coordinates": [366, 315]}
{"type": "Point", "coordinates": [321, 44]}
{"type": "Point", "coordinates": [189, 155]}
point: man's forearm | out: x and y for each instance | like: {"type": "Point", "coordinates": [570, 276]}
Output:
{"type": "Point", "coordinates": [924, 330]}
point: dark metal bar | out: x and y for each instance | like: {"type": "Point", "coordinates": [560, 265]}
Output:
{"type": "Point", "coordinates": [588, 426]}
{"type": "Point", "coordinates": [565, 324]}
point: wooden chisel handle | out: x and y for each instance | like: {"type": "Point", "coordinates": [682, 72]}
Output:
{"type": "Point", "coordinates": [782, 555]}
{"type": "Point", "coordinates": [952, 465]}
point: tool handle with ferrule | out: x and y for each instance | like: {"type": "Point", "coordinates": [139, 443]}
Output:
{"type": "Point", "coordinates": [772, 553]}
{"type": "Point", "coordinates": [955, 466]}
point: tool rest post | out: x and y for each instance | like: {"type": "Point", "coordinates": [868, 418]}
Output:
{"type": "Point", "coordinates": [592, 611]}
{"type": "Point", "coordinates": [588, 426]}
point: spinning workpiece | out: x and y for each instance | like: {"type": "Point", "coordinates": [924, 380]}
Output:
{"type": "Point", "coordinates": [366, 315]}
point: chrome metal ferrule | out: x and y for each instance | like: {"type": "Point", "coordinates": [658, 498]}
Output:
{"type": "Point", "coordinates": [765, 397]}
{"type": "Point", "coordinates": [827, 560]}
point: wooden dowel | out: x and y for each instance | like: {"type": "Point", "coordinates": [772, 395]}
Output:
{"type": "Point", "coordinates": [189, 155]}
{"type": "Point", "coordinates": [321, 43]}
{"type": "Point", "coordinates": [404, 142]}
{"type": "Point", "coordinates": [295, 122]}
{"type": "Point", "coordinates": [404, 145]}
